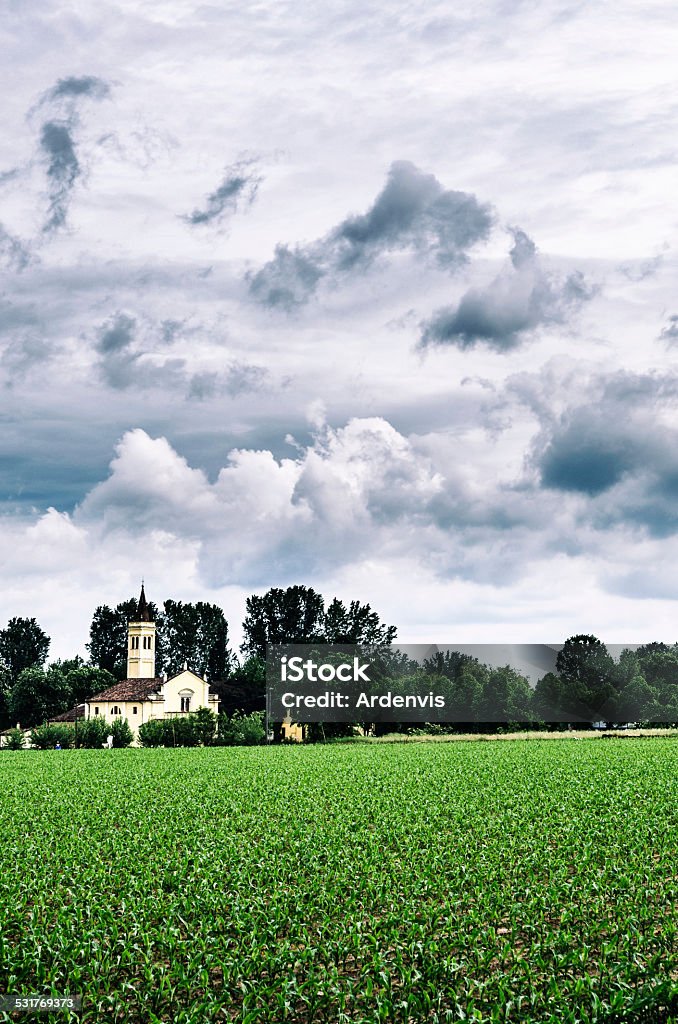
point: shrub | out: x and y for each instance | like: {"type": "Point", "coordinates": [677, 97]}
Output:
{"type": "Point", "coordinates": [205, 725]}
{"type": "Point", "coordinates": [46, 737]}
{"type": "Point", "coordinates": [152, 734]}
{"type": "Point", "coordinates": [181, 732]}
{"type": "Point", "coordinates": [169, 732]}
{"type": "Point", "coordinates": [121, 732]}
{"type": "Point", "coordinates": [91, 733]}
{"type": "Point", "coordinates": [15, 740]}
{"type": "Point", "coordinates": [241, 730]}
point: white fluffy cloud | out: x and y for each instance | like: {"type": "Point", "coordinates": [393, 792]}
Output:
{"type": "Point", "coordinates": [482, 480]}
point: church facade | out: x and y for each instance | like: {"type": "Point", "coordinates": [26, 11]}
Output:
{"type": "Point", "coordinates": [143, 696]}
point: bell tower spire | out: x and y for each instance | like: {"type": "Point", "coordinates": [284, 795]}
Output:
{"type": "Point", "coordinates": [141, 642]}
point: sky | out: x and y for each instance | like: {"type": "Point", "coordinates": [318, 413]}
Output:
{"type": "Point", "coordinates": [377, 299]}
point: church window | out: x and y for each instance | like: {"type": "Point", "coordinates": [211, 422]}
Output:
{"type": "Point", "coordinates": [96, 711]}
{"type": "Point", "coordinates": [134, 710]}
{"type": "Point", "coordinates": [185, 703]}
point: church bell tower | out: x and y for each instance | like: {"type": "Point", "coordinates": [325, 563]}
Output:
{"type": "Point", "coordinates": [141, 642]}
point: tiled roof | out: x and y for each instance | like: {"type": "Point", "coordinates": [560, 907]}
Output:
{"type": "Point", "coordinates": [129, 689]}
{"type": "Point", "coordinates": [70, 715]}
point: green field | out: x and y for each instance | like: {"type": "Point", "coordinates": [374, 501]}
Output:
{"type": "Point", "coordinates": [525, 881]}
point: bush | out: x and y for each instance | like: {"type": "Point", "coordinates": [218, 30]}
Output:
{"type": "Point", "coordinates": [46, 737]}
{"type": "Point", "coordinates": [181, 732]}
{"type": "Point", "coordinates": [91, 733]}
{"type": "Point", "coordinates": [152, 734]}
{"type": "Point", "coordinates": [202, 726]}
{"type": "Point", "coordinates": [205, 725]}
{"type": "Point", "coordinates": [169, 732]}
{"type": "Point", "coordinates": [121, 732]}
{"type": "Point", "coordinates": [241, 730]}
{"type": "Point", "coordinates": [15, 740]}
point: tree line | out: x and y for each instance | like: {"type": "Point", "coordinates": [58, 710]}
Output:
{"type": "Point", "coordinates": [196, 634]}
{"type": "Point", "coordinates": [588, 684]}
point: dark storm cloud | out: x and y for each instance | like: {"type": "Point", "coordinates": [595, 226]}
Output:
{"type": "Point", "coordinates": [114, 345]}
{"type": "Point", "coordinates": [75, 88]}
{"type": "Point", "coordinates": [413, 211]}
{"type": "Point", "coordinates": [517, 302]}
{"type": "Point", "coordinates": [290, 278]}
{"type": "Point", "coordinates": [239, 187]}
{"type": "Point", "coordinates": [58, 140]}
{"type": "Point", "coordinates": [618, 451]}
{"type": "Point", "coordinates": [63, 170]}
{"type": "Point", "coordinates": [589, 454]}
{"type": "Point", "coordinates": [669, 332]}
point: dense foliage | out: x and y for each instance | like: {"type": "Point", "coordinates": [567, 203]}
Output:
{"type": "Point", "coordinates": [193, 633]}
{"type": "Point", "coordinates": [22, 644]}
{"type": "Point", "coordinates": [516, 882]}
{"type": "Point", "coordinates": [587, 686]}
{"type": "Point", "coordinates": [298, 615]}
{"type": "Point", "coordinates": [204, 728]}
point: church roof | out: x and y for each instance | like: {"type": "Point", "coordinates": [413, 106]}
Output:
{"type": "Point", "coordinates": [70, 716]}
{"type": "Point", "coordinates": [143, 613]}
{"type": "Point", "coordinates": [129, 689]}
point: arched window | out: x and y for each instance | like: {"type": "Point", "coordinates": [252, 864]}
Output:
{"type": "Point", "coordinates": [185, 698]}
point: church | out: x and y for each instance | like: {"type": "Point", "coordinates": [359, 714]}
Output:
{"type": "Point", "coordinates": [143, 696]}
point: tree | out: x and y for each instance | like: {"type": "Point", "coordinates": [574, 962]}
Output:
{"type": "Point", "coordinates": [506, 697]}
{"type": "Point", "coordinates": [297, 615]}
{"type": "Point", "coordinates": [80, 680]}
{"type": "Point", "coordinates": [549, 699]}
{"type": "Point", "coordinates": [37, 696]}
{"type": "Point", "coordinates": [448, 663]}
{"type": "Point", "coordinates": [357, 624]}
{"type": "Point", "coordinates": [196, 634]}
{"type": "Point", "coordinates": [294, 615]}
{"type": "Point", "coordinates": [153, 733]}
{"type": "Point", "coordinates": [637, 702]}
{"type": "Point", "coordinates": [659, 668]}
{"type": "Point", "coordinates": [23, 644]}
{"type": "Point", "coordinates": [587, 670]}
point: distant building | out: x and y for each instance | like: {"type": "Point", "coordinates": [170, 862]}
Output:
{"type": "Point", "coordinates": [143, 696]}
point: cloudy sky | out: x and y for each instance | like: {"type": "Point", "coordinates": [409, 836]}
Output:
{"type": "Point", "coordinates": [380, 299]}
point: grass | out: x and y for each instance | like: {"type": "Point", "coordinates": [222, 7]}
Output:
{"type": "Point", "coordinates": [533, 734]}
{"type": "Point", "coordinates": [399, 883]}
